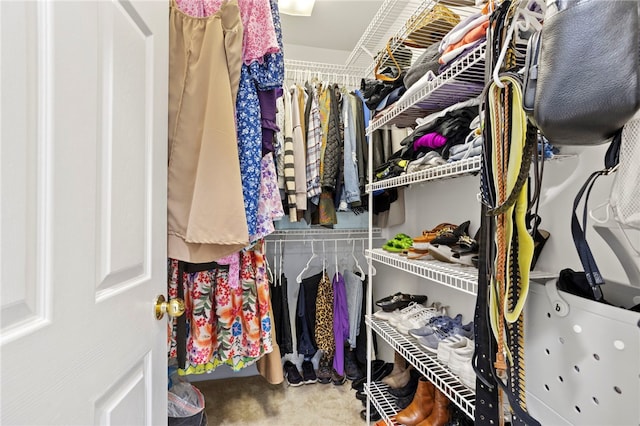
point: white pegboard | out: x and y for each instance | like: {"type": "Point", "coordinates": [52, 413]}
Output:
{"type": "Point", "coordinates": [581, 360]}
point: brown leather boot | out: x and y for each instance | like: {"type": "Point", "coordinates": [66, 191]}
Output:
{"type": "Point", "coordinates": [421, 406]}
{"type": "Point", "coordinates": [440, 414]}
{"type": "Point", "coordinates": [399, 366]}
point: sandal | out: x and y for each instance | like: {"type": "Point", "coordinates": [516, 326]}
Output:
{"type": "Point", "coordinates": [465, 244]}
{"type": "Point", "coordinates": [398, 244]}
{"type": "Point", "coordinates": [421, 242]}
{"type": "Point", "coordinates": [415, 254]}
{"type": "Point", "coordinates": [451, 237]}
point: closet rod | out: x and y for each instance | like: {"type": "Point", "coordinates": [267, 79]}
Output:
{"type": "Point", "coordinates": [328, 240]}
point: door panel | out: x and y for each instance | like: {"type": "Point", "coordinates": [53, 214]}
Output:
{"type": "Point", "coordinates": [24, 178]}
{"type": "Point", "coordinates": [83, 215]}
{"type": "Point", "coordinates": [126, 77]}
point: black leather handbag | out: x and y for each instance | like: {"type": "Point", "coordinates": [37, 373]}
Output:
{"type": "Point", "coordinates": [582, 81]}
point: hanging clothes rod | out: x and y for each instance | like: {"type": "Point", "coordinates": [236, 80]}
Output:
{"type": "Point", "coordinates": [328, 240]}
{"type": "Point", "coordinates": [327, 232]}
{"type": "Point", "coordinates": [300, 72]}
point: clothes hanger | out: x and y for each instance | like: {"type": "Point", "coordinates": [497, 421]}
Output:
{"type": "Point", "coordinates": [522, 21]}
{"type": "Point", "coordinates": [281, 268]}
{"type": "Point", "coordinates": [275, 263]}
{"type": "Point", "coordinates": [313, 256]}
{"type": "Point", "coordinates": [335, 254]}
{"type": "Point", "coordinates": [355, 259]}
{"type": "Point", "coordinates": [266, 261]}
{"type": "Point", "coordinates": [324, 258]}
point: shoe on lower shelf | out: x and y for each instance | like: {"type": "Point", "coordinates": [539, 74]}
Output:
{"type": "Point", "coordinates": [459, 357]}
{"type": "Point", "coordinates": [292, 374]}
{"type": "Point", "coordinates": [375, 416]}
{"type": "Point", "coordinates": [417, 320]}
{"type": "Point", "coordinates": [406, 313]}
{"type": "Point", "coordinates": [432, 341]}
{"type": "Point", "coordinates": [447, 346]}
{"type": "Point", "coordinates": [400, 301]}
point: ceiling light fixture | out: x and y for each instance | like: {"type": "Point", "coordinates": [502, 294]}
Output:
{"type": "Point", "coordinates": [296, 7]}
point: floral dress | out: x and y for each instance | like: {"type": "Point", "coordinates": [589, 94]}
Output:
{"type": "Point", "coordinates": [228, 321]}
{"type": "Point", "coordinates": [249, 145]}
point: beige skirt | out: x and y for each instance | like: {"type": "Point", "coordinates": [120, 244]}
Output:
{"type": "Point", "coordinates": [206, 216]}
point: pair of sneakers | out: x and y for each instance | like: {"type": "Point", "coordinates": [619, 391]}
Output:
{"type": "Point", "coordinates": [293, 376]}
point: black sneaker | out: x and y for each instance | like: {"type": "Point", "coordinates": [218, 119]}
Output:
{"type": "Point", "coordinates": [351, 368]}
{"type": "Point", "coordinates": [324, 371]}
{"type": "Point", "coordinates": [292, 374]}
{"type": "Point", "coordinates": [308, 372]}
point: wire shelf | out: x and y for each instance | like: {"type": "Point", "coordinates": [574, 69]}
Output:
{"type": "Point", "coordinates": [324, 231]}
{"type": "Point", "coordinates": [460, 277]}
{"type": "Point", "coordinates": [462, 81]}
{"type": "Point", "coordinates": [427, 364]}
{"type": "Point", "coordinates": [449, 170]}
{"type": "Point", "coordinates": [382, 400]}
{"type": "Point", "coordinates": [407, 17]}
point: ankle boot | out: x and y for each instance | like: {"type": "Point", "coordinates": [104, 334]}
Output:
{"type": "Point", "coordinates": [421, 406]}
{"type": "Point", "coordinates": [400, 380]}
{"type": "Point", "coordinates": [440, 413]}
{"type": "Point", "coordinates": [399, 366]}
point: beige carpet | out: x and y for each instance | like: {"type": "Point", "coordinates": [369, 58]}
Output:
{"type": "Point", "coordinates": [253, 401]}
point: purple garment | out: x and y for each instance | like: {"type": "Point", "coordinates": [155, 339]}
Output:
{"type": "Point", "coordinates": [267, 100]}
{"type": "Point", "coordinates": [340, 321]}
{"type": "Point", "coordinates": [430, 140]}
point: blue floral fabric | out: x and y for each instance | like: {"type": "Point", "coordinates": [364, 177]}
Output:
{"type": "Point", "coordinates": [249, 145]}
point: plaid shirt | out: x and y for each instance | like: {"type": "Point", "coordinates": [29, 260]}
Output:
{"type": "Point", "coordinates": [314, 140]}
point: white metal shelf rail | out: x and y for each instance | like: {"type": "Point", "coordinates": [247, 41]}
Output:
{"type": "Point", "coordinates": [323, 231]}
{"type": "Point", "coordinates": [382, 400]}
{"type": "Point", "coordinates": [392, 14]}
{"type": "Point", "coordinates": [301, 71]}
{"type": "Point", "coordinates": [449, 170]}
{"type": "Point", "coordinates": [460, 277]}
{"type": "Point", "coordinates": [427, 364]}
{"type": "Point", "coordinates": [407, 17]}
{"type": "Point", "coordinates": [462, 81]}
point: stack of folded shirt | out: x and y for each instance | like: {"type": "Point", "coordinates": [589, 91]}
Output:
{"type": "Point", "coordinates": [469, 33]}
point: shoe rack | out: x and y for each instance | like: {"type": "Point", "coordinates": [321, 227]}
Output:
{"type": "Point", "coordinates": [575, 353]}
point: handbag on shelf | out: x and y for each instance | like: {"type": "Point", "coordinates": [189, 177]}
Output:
{"type": "Point", "coordinates": [425, 29]}
{"type": "Point", "coordinates": [582, 80]}
{"type": "Point", "coordinates": [430, 26]}
{"type": "Point", "coordinates": [391, 62]}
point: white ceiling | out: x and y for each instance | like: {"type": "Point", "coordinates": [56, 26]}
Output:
{"type": "Point", "coordinates": [330, 33]}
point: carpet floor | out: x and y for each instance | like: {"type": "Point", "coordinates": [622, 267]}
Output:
{"type": "Point", "coordinates": [253, 401]}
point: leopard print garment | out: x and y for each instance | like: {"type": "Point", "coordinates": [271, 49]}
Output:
{"type": "Point", "coordinates": [324, 318]}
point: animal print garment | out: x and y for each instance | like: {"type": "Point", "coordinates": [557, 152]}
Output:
{"type": "Point", "coordinates": [324, 318]}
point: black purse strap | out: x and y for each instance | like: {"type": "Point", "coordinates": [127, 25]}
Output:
{"type": "Point", "coordinates": [592, 272]}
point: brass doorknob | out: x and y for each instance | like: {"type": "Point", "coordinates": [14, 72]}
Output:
{"type": "Point", "coordinates": [173, 308]}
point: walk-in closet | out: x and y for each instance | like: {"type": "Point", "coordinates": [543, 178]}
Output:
{"type": "Point", "coordinates": [320, 212]}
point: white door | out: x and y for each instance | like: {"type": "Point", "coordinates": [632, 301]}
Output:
{"type": "Point", "coordinates": [83, 211]}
